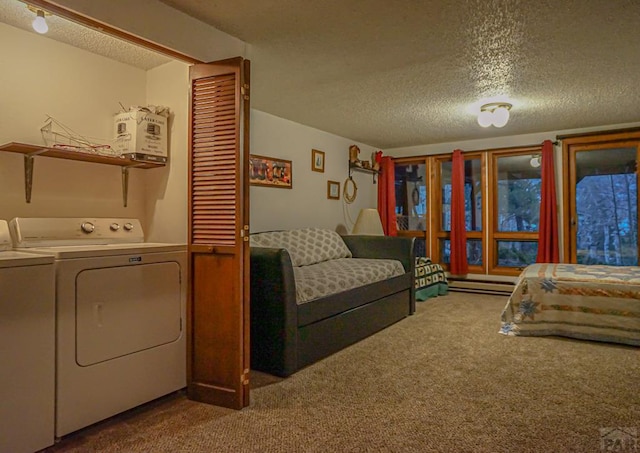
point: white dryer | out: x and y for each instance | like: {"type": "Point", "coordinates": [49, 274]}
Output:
{"type": "Point", "coordinates": [120, 312]}
{"type": "Point", "coordinates": [27, 348]}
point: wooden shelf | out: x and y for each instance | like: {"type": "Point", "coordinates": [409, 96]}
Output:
{"type": "Point", "coordinates": [373, 172]}
{"type": "Point", "coordinates": [35, 150]}
{"type": "Point", "coordinates": [32, 151]}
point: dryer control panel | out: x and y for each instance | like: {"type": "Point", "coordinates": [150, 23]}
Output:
{"type": "Point", "coordinates": [52, 232]}
{"type": "Point", "coordinates": [5, 238]}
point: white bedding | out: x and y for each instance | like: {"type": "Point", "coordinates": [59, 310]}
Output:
{"type": "Point", "coordinates": [588, 302]}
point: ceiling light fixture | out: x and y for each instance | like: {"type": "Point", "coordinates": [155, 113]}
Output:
{"type": "Point", "coordinates": [536, 160]}
{"type": "Point", "coordinates": [494, 114]}
{"type": "Point", "coordinates": [39, 23]}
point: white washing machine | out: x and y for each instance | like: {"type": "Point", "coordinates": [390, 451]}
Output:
{"type": "Point", "coordinates": [27, 348]}
{"type": "Point", "coordinates": [120, 313]}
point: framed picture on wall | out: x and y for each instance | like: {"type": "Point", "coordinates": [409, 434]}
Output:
{"type": "Point", "coordinates": [317, 160]}
{"type": "Point", "coordinates": [333, 190]}
{"type": "Point", "coordinates": [270, 172]}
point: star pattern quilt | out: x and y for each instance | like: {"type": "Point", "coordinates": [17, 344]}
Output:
{"type": "Point", "coordinates": [590, 302]}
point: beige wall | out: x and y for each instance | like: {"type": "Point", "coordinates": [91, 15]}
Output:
{"type": "Point", "coordinates": [306, 204]}
{"type": "Point", "coordinates": [81, 90]}
{"type": "Point", "coordinates": [166, 188]}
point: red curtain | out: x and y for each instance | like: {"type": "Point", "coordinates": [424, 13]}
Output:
{"type": "Point", "coordinates": [387, 196]}
{"type": "Point", "coordinates": [548, 250]}
{"type": "Point", "coordinates": [458, 264]}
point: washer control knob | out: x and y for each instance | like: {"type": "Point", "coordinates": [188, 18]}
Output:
{"type": "Point", "coordinates": [88, 227]}
{"type": "Point", "coordinates": [128, 226]}
{"type": "Point", "coordinates": [114, 226]}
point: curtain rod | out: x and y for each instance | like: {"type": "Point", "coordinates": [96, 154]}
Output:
{"type": "Point", "coordinates": [588, 134]}
{"type": "Point", "coordinates": [509, 147]}
{"type": "Point", "coordinates": [556, 143]}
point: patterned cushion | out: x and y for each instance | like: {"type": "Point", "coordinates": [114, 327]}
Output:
{"type": "Point", "coordinates": [330, 277]}
{"type": "Point", "coordinates": [306, 246]}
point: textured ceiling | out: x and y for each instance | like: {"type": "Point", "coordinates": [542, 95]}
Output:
{"type": "Point", "coordinates": [409, 72]}
{"type": "Point", "coordinates": [406, 72]}
{"type": "Point", "coordinates": [16, 14]}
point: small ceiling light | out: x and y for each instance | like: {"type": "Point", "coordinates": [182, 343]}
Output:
{"type": "Point", "coordinates": [494, 114]}
{"type": "Point", "coordinates": [535, 161]}
{"type": "Point", "coordinates": [39, 23]}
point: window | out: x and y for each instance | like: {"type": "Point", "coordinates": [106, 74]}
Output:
{"type": "Point", "coordinates": [411, 196]}
{"type": "Point", "coordinates": [502, 188]}
{"type": "Point", "coordinates": [473, 211]}
{"type": "Point", "coordinates": [598, 203]}
{"type": "Point", "coordinates": [411, 202]}
{"type": "Point", "coordinates": [516, 189]}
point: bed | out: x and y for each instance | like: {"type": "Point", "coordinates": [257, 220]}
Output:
{"type": "Point", "coordinates": [590, 302]}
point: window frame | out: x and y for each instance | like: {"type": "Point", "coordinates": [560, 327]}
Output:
{"type": "Point", "coordinates": [496, 236]}
{"type": "Point", "coordinates": [436, 212]}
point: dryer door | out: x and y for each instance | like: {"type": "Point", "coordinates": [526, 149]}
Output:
{"type": "Point", "coordinates": [124, 310]}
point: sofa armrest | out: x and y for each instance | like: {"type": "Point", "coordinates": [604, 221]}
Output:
{"type": "Point", "coordinates": [387, 247]}
{"type": "Point", "coordinates": [274, 312]}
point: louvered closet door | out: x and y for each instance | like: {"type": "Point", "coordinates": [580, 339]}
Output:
{"type": "Point", "coordinates": [218, 368]}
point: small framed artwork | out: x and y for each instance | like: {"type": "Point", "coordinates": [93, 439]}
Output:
{"type": "Point", "coordinates": [317, 160]}
{"type": "Point", "coordinates": [333, 190]}
{"type": "Point", "coordinates": [270, 172]}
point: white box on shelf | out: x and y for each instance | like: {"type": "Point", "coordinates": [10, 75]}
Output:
{"type": "Point", "coordinates": [141, 135]}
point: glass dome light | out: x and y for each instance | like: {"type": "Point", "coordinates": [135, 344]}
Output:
{"type": "Point", "coordinates": [500, 116]}
{"type": "Point", "coordinates": [535, 161]}
{"type": "Point", "coordinates": [494, 114]}
{"type": "Point", "coordinates": [485, 118]}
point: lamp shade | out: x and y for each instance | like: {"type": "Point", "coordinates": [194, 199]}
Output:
{"type": "Point", "coordinates": [368, 223]}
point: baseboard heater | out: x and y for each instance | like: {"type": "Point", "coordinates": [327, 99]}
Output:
{"type": "Point", "coordinates": [479, 286]}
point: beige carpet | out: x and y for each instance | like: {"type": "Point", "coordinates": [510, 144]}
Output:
{"type": "Point", "coordinates": [442, 380]}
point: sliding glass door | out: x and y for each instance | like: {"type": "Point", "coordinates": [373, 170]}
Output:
{"type": "Point", "coordinates": [603, 199]}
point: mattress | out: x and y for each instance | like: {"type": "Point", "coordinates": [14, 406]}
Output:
{"type": "Point", "coordinates": [591, 302]}
{"type": "Point", "coordinates": [334, 276]}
